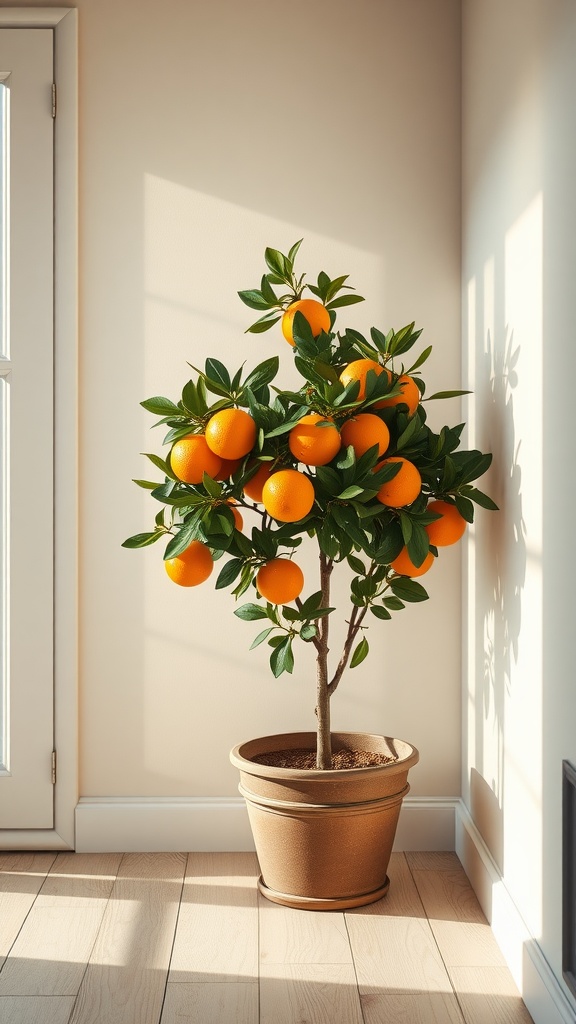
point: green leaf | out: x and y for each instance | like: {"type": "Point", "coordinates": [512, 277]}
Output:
{"type": "Point", "coordinates": [293, 251]}
{"type": "Point", "coordinates": [408, 590]}
{"type": "Point", "coordinates": [421, 359]}
{"type": "Point", "coordinates": [193, 400]}
{"type": "Point", "coordinates": [379, 340]}
{"type": "Point", "coordinates": [268, 292]}
{"type": "Point", "coordinates": [250, 612]}
{"type": "Point", "coordinates": [350, 492]}
{"type": "Point", "coordinates": [311, 605]}
{"type": "Point", "coordinates": [217, 373]}
{"type": "Point", "coordinates": [379, 612]}
{"type": "Point", "coordinates": [394, 603]}
{"type": "Point", "coordinates": [447, 394]}
{"type": "Point", "coordinates": [344, 300]}
{"type": "Point", "coordinates": [357, 565]}
{"type": "Point", "coordinates": [255, 299]}
{"type": "Point", "coordinates": [282, 658]}
{"type": "Point", "coordinates": [335, 286]}
{"type": "Point", "coordinates": [262, 374]}
{"type": "Point", "coordinates": [186, 534]}
{"type": "Point", "coordinates": [465, 508]}
{"type": "Point", "coordinates": [418, 545]}
{"type": "Point", "coordinates": [229, 573]}
{"type": "Point", "coordinates": [308, 631]}
{"type": "Point", "coordinates": [143, 540]}
{"type": "Point", "coordinates": [290, 614]}
{"type": "Point", "coordinates": [161, 406]}
{"type": "Point", "coordinates": [148, 485]}
{"type": "Point", "coordinates": [481, 499]}
{"type": "Point", "coordinates": [213, 488]}
{"type": "Point", "coordinates": [264, 324]}
{"type": "Point", "coordinates": [360, 653]}
{"type": "Point", "coordinates": [261, 637]}
{"type": "Point", "coordinates": [276, 262]}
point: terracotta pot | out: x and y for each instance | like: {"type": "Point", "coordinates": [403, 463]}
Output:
{"type": "Point", "coordinates": [324, 838]}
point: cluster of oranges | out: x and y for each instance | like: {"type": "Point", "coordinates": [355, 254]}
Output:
{"type": "Point", "coordinates": [287, 494]}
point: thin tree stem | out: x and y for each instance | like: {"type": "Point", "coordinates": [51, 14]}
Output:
{"type": "Point", "coordinates": [323, 742]}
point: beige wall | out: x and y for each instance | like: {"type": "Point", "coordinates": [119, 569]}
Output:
{"type": "Point", "coordinates": [519, 256]}
{"type": "Point", "coordinates": [208, 131]}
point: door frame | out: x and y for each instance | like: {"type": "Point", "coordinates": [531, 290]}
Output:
{"type": "Point", "coordinates": [64, 22]}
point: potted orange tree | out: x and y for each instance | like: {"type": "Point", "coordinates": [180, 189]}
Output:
{"type": "Point", "coordinates": [347, 462]}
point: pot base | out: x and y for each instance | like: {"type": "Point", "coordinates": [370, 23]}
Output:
{"type": "Point", "coordinates": [336, 903]}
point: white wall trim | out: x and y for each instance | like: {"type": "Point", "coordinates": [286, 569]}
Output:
{"type": "Point", "coordinates": [544, 995]}
{"type": "Point", "coordinates": [173, 824]}
{"type": "Point", "coordinates": [64, 21]}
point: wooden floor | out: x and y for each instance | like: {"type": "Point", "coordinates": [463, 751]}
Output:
{"type": "Point", "coordinates": [176, 939]}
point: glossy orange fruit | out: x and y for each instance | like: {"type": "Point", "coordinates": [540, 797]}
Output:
{"type": "Point", "coordinates": [253, 489]}
{"type": "Point", "coordinates": [447, 530]}
{"type": "Point", "coordinates": [288, 495]}
{"type": "Point", "coordinates": [190, 458]}
{"type": "Point", "coordinates": [314, 445]}
{"type": "Point", "coordinates": [280, 581]}
{"type": "Point", "coordinates": [404, 488]}
{"type": "Point", "coordinates": [315, 313]}
{"type": "Point", "coordinates": [192, 566]}
{"type": "Point", "coordinates": [363, 432]}
{"type": "Point", "coordinates": [358, 370]}
{"type": "Point", "coordinates": [228, 468]}
{"type": "Point", "coordinates": [404, 565]}
{"type": "Point", "coordinates": [410, 395]}
{"type": "Point", "coordinates": [231, 433]}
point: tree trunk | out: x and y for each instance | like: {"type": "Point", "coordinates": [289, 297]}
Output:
{"type": "Point", "coordinates": [323, 740]}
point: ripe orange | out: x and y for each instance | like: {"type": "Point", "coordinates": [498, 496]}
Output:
{"type": "Point", "coordinates": [280, 581]}
{"type": "Point", "coordinates": [404, 488]}
{"type": "Point", "coordinates": [253, 489]}
{"type": "Point", "coordinates": [228, 468]}
{"type": "Point", "coordinates": [313, 445]}
{"type": "Point", "coordinates": [191, 457]}
{"type": "Point", "coordinates": [358, 370]}
{"type": "Point", "coordinates": [410, 395]}
{"type": "Point", "coordinates": [364, 431]}
{"type": "Point", "coordinates": [315, 313]}
{"type": "Point", "coordinates": [192, 566]}
{"type": "Point", "coordinates": [231, 433]}
{"type": "Point", "coordinates": [288, 495]}
{"type": "Point", "coordinates": [404, 565]}
{"type": "Point", "coordinates": [447, 530]}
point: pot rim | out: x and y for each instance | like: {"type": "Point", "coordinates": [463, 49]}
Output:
{"type": "Point", "coordinates": [282, 741]}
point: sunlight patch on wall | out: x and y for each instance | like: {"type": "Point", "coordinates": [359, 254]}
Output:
{"type": "Point", "coordinates": [522, 596]}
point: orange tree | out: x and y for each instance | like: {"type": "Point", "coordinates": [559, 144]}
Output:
{"type": "Point", "coordinates": [347, 459]}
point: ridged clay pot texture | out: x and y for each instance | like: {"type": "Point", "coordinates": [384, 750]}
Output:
{"type": "Point", "coordinates": [324, 837]}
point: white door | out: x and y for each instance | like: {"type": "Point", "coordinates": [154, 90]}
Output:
{"type": "Point", "coordinates": [26, 429]}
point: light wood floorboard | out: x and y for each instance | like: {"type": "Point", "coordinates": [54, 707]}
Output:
{"type": "Point", "coordinates": [35, 1009]}
{"type": "Point", "coordinates": [413, 1008]}
{"type": "Point", "coordinates": [126, 975]}
{"type": "Point", "coordinates": [217, 933]}
{"type": "Point", "coordinates": [392, 943]}
{"type": "Point", "coordinates": [318, 993]}
{"type": "Point", "coordinates": [187, 939]}
{"type": "Point", "coordinates": [21, 878]}
{"type": "Point", "coordinates": [463, 934]}
{"type": "Point", "coordinates": [211, 1003]}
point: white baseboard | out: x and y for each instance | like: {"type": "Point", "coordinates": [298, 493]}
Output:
{"type": "Point", "coordinates": [172, 824]}
{"type": "Point", "coordinates": [541, 990]}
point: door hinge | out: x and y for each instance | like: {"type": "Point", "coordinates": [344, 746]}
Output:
{"type": "Point", "coordinates": [53, 767]}
{"type": "Point", "coordinates": [53, 99]}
